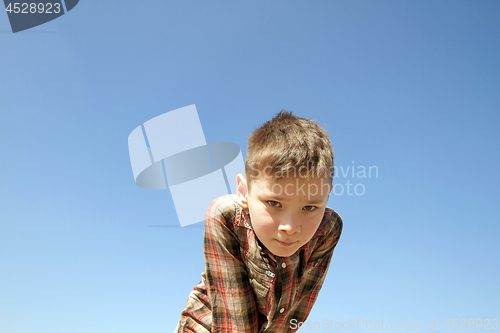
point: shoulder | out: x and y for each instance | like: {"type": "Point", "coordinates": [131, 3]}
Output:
{"type": "Point", "coordinates": [225, 209]}
{"type": "Point", "coordinates": [331, 225]}
{"type": "Point", "coordinates": [325, 239]}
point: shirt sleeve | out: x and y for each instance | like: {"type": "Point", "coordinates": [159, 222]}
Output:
{"type": "Point", "coordinates": [317, 265]}
{"type": "Point", "coordinates": [325, 244]}
{"type": "Point", "coordinates": [230, 293]}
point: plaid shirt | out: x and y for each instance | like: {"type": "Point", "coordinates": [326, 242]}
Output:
{"type": "Point", "coordinates": [245, 288]}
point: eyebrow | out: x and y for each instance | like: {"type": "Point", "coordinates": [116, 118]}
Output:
{"type": "Point", "coordinates": [315, 202]}
{"type": "Point", "coordinates": [279, 198]}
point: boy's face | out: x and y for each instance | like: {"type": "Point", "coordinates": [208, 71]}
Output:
{"type": "Point", "coordinates": [285, 214]}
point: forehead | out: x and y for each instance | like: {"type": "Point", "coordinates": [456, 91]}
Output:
{"type": "Point", "coordinates": [292, 188]}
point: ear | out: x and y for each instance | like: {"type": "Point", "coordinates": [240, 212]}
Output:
{"type": "Point", "coordinates": [331, 189]}
{"type": "Point", "coordinates": [242, 190]}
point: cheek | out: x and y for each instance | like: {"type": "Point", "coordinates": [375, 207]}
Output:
{"type": "Point", "coordinates": [310, 226]}
{"type": "Point", "coordinates": [266, 224]}
{"type": "Point", "coordinates": [261, 219]}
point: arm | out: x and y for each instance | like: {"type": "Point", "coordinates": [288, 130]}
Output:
{"type": "Point", "coordinates": [231, 296]}
{"type": "Point", "coordinates": [330, 234]}
{"type": "Point", "coordinates": [318, 261]}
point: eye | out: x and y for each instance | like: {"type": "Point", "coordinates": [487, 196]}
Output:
{"type": "Point", "coordinates": [273, 203]}
{"type": "Point", "coordinates": [310, 208]}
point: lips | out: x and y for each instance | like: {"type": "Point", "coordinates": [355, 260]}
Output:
{"type": "Point", "coordinates": [286, 243]}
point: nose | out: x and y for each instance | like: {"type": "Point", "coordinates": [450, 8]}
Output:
{"type": "Point", "coordinates": [290, 224]}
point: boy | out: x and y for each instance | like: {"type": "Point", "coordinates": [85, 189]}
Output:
{"type": "Point", "coordinates": [267, 248]}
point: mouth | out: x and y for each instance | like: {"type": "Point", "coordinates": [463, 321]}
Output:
{"type": "Point", "coordinates": [286, 243]}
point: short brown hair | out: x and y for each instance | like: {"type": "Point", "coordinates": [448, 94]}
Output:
{"type": "Point", "coordinates": [286, 145]}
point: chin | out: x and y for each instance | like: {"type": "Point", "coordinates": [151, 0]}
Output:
{"type": "Point", "coordinates": [284, 253]}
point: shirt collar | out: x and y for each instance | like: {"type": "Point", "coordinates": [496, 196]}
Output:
{"type": "Point", "coordinates": [242, 218]}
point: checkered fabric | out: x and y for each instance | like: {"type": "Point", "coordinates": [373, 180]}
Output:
{"type": "Point", "coordinates": [244, 287]}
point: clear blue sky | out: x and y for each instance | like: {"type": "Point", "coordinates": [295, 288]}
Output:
{"type": "Point", "coordinates": [411, 87]}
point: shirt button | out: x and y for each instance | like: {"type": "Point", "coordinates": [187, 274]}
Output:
{"type": "Point", "coordinates": [283, 265]}
{"type": "Point", "coordinates": [282, 310]}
